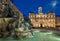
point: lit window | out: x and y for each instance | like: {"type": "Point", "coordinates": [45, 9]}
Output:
{"type": "Point", "coordinates": [51, 16]}
{"type": "Point", "coordinates": [39, 25]}
{"type": "Point", "coordinates": [32, 20]}
{"type": "Point", "coordinates": [43, 20]}
{"type": "Point", "coordinates": [31, 16]}
{"type": "Point", "coordinates": [39, 15]}
{"type": "Point", "coordinates": [49, 25]}
{"type": "Point", "coordinates": [43, 25]}
{"type": "Point", "coordinates": [49, 20]}
{"type": "Point", "coordinates": [36, 24]}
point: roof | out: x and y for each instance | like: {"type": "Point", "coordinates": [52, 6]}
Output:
{"type": "Point", "coordinates": [50, 12]}
{"type": "Point", "coordinates": [31, 12]}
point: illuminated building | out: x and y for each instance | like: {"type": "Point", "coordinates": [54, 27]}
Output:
{"type": "Point", "coordinates": [41, 19]}
{"type": "Point", "coordinates": [57, 21]}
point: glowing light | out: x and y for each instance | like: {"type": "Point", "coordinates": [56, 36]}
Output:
{"type": "Point", "coordinates": [54, 3]}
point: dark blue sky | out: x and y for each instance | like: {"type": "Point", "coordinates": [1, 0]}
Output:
{"type": "Point", "coordinates": [25, 6]}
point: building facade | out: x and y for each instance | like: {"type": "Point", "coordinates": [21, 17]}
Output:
{"type": "Point", "coordinates": [41, 19]}
{"type": "Point", "coordinates": [58, 21]}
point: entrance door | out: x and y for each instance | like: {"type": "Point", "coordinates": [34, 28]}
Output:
{"type": "Point", "coordinates": [41, 26]}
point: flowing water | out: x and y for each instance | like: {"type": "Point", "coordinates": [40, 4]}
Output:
{"type": "Point", "coordinates": [38, 36]}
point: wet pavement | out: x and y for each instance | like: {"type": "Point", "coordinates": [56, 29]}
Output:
{"type": "Point", "coordinates": [37, 36]}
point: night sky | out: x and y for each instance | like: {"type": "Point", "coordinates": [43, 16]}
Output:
{"type": "Point", "coordinates": [25, 6]}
